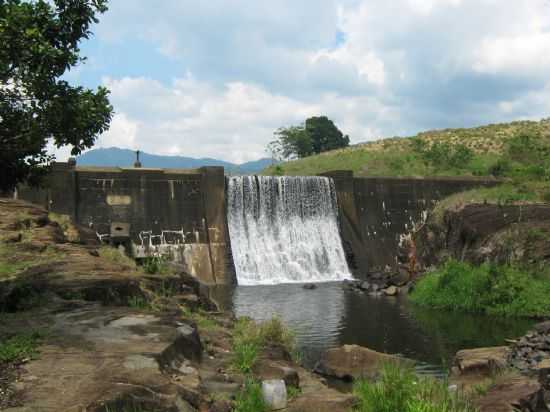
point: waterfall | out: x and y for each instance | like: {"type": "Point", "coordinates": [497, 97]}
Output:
{"type": "Point", "coordinates": [284, 230]}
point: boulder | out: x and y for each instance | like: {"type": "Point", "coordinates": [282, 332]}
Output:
{"type": "Point", "coordinates": [401, 278]}
{"type": "Point", "coordinates": [543, 327]}
{"type": "Point", "coordinates": [364, 286]}
{"type": "Point", "coordinates": [309, 286]}
{"type": "Point", "coordinates": [274, 394]}
{"type": "Point", "coordinates": [186, 346]}
{"type": "Point", "coordinates": [267, 370]}
{"type": "Point", "coordinates": [391, 291]}
{"type": "Point", "coordinates": [352, 362]}
{"type": "Point", "coordinates": [482, 361]}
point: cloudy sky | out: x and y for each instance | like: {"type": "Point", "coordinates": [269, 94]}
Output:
{"type": "Point", "coordinates": [216, 78]}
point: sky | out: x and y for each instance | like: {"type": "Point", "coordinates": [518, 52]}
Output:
{"type": "Point", "coordinates": [216, 78]}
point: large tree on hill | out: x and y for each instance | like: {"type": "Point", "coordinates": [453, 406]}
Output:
{"type": "Point", "coordinates": [39, 43]}
{"type": "Point", "coordinates": [324, 134]}
{"type": "Point", "coordinates": [316, 135]}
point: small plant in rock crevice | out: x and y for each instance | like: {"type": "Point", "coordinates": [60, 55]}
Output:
{"type": "Point", "coordinates": [249, 338]}
{"type": "Point", "coordinates": [20, 346]}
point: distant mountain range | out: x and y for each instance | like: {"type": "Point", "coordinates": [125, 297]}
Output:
{"type": "Point", "coordinates": [116, 157]}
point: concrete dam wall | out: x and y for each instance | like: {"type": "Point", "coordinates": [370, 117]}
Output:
{"type": "Point", "coordinates": [182, 213]}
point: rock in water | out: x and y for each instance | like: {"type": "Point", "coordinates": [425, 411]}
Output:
{"type": "Point", "coordinates": [309, 286]}
{"type": "Point", "coordinates": [274, 394]}
{"type": "Point", "coordinates": [391, 291]}
{"type": "Point", "coordinates": [352, 362]}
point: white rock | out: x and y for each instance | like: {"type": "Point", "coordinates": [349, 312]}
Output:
{"type": "Point", "coordinates": [274, 394]}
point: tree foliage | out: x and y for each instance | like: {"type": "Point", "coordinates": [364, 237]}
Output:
{"type": "Point", "coordinates": [40, 42]}
{"type": "Point", "coordinates": [316, 135]}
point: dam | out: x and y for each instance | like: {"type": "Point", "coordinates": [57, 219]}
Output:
{"type": "Point", "coordinates": [211, 223]}
{"type": "Point", "coordinates": [256, 240]}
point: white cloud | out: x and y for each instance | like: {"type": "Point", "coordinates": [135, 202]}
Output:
{"type": "Point", "coordinates": [122, 133]}
{"type": "Point", "coordinates": [241, 69]}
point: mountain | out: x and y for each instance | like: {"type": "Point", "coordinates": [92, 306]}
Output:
{"type": "Point", "coordinates": [115, 156]}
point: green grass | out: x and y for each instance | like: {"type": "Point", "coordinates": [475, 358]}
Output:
{"type": "Point", "coordinates": [491, 289]}
{"type": "Point", "coordinates": [19, 346]}
{"type": "Point", "coordinates": [399, 389]}
{"type": "Point", "coordinates": [200, 317]}
{"type": "Point", "coordinates": [249, 338]}
{"type": "Point", "coordinates": [293, 392]}
{"type": "Point", "coordinates": [14, 259]}
{"type": "Point", "coordinates": [250, 398]}
{"type": "Point", "coordinates": [518, 150]}
{"type": "Point", "coordinates": [65, 223]}
{"type": "Point", "coordinates": [156, 265]}
{"type": "Point", "coordinates": [115, 256]}
{"type": "Point", "coordinates": [138, 302]}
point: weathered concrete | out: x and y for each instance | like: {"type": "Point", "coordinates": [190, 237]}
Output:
{"type": "Point", "coordinates": [376, 211]}
{"type": "Point", "coordinates": [171, 211]}
{"type": "Point", "coordinates": [181, 213]}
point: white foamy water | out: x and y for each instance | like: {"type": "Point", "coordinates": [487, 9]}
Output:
{"type": "Point", "coordinates": [284, 230]}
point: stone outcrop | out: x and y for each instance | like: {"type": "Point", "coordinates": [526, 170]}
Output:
{"type": "Point", "coordinates": [486, 232]}
{"type": "Point", "coordinates": [350, 362]}
{"type": "Point", "coordinates": [530, 351]}
{"type": "Point", "coordinates": [116, 338]}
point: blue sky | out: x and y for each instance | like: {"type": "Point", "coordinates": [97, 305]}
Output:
{"type": "Point", "coordinates": [217, 78]}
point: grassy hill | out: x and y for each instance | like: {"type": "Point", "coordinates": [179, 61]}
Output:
{"type": "Point", "coordinates": [482, 151]}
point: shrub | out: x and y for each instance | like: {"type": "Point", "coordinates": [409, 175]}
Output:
{"type": "Point", "coordinates": [491, 289]}
{"type": "Point", "coordinates": [399, 389]}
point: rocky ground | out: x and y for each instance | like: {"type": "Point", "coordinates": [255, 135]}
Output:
{"type": "Point", "coordinates": [112, 338]}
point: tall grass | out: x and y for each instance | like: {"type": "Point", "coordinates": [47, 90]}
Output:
{"type": "Point", "coordinates": [250, 398]}
{"type": "Point", "coordinates": [491, 289]}
{"type": "Point", "coordinates": [400, 390]}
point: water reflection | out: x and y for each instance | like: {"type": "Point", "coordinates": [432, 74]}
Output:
{"type": "Point", "coordinates": [332, 315]}
{"type": "Point", "coordinates": [315, 315]}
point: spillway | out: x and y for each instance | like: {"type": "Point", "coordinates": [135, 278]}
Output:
{"type": "Point", "coordinates": [285, 230]}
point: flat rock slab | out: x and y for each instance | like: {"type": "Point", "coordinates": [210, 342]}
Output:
{"type": "Point", "coordinates": [353, 362]}
{"type": "Point", "coordinates": [483, 361]}
{"type": "Point", "coordinates": [514, 394]}
{"type": "Point", "coordinates": [96, 354]}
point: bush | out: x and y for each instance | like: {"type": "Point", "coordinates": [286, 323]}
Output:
{"type": "Point", "coordinates": [491, 289]}
{"type": "Point", "coordinates": [399, 389]}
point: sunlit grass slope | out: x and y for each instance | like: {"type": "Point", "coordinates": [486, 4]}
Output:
{"type": "Point", "coordinates": [480, 151]}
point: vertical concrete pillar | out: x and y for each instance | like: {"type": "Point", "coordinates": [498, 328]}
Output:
{"type": "Point", "coordinates": [213, 196]}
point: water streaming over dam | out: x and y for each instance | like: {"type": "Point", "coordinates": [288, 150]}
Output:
{"type": "Point", "coordinates": [284, 230]}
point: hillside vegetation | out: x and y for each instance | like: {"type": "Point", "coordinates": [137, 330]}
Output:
{"type": "Point", "coordinates": [449, 152]}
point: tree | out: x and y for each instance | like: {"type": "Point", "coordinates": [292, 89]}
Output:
{"type": "Point", "coordinates": [40, 42]}
{"type": "Point", "coordinates": [316, 135]}
{"type": "Point", "coordinates": [324, 134]}
{"type": "Point", "coordinates": [291, 142]}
